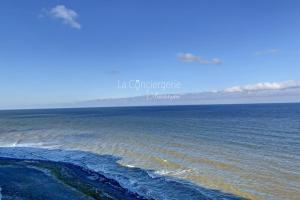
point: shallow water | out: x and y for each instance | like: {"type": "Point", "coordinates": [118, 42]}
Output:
{"type": "Point", "coordinates": [252, 151]}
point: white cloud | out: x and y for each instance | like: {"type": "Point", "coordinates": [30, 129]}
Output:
{"type": "Point", "coordinates": [68, 16]}
{"type": "Point", "coordinates": [267, 52]}
{"type": "Point", "coordinates": [265, 86]}
{"type": "Point", "coordinates": [188, 57]}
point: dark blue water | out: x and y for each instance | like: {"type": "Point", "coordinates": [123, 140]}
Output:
{"type": "Point", "coordinates": [252, 151]}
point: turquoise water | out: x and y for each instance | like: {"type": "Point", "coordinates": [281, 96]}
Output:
{"type": "Point", "coordinates": [252, 151]}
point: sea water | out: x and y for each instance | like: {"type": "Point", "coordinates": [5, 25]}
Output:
{"type": "Point", "coordinates": [249, 151]}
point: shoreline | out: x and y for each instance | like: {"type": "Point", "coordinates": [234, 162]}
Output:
{"type": "Point", "coordinates": [75, 180]}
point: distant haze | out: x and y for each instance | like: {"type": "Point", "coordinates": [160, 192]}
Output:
{"type": "Point", "coordinates": [277, 96]}
{"type": "Point", "coordinates": [265, 92]}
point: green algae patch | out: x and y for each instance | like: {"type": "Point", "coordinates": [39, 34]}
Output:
{"type": "Point", "coordinates": [68, 177]}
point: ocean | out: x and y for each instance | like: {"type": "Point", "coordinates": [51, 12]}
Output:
{"type": "Point", "coordinates": [170, 152]}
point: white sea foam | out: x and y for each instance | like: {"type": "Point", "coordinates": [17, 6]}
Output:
{"type": "Point", "coordinates": [36, 144]}
{"type": "Point", "coordinates": [130, 166]}
{"type": "Point", "coordinates": [173, 172]}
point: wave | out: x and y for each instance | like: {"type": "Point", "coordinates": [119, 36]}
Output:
{"type": "Point", "coordinates": [146, 183]}
{"type": "Point", "coordinates": [31, 144]}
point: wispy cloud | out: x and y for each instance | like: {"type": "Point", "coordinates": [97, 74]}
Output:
{"type": "Point", "coordinates": [267, 52]}
{"type": "Point", "coordinates": [113, 72]}
{"type": "Point", "coordinates": [265, 86]}
{"type": "Point", "coordinates": [66, 15]}
{"type": "Point", "coordinates": [188, 57]}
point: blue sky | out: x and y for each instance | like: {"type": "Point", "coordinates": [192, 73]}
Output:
{"type": "Point", "coordinates": [66, 51]}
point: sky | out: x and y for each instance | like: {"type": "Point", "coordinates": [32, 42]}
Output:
{"type": "Point", "coordinates": [69, 51]}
